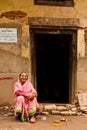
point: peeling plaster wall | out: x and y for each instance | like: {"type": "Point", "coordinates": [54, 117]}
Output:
{"type": "Point", "coordinates": [16, 57]}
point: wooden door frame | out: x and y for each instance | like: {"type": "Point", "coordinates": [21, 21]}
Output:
{"type": "Point", "coordinates": [73, 57]}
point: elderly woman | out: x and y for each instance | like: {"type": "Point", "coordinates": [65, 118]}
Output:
{"type": "Point", "coordinates": [26, 105]}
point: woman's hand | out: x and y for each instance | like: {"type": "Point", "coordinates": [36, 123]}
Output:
{"type": "Point", "coordinates": [30, 96]}
{"type": "Point", "coordinates": [34, 94]}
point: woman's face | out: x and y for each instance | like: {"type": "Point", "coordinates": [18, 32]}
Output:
{"type": "Point", "coordinates": [23, 77]}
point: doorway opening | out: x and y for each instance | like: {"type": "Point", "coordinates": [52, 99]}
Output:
{"type": "Point", "coordinates": [53, 64]}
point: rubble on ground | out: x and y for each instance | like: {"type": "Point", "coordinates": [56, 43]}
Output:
{"type": "Point", "coordinates": [78, 107]}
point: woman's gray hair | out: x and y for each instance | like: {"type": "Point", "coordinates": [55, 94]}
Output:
{"type": "Point", "coordinates": [22, 73]}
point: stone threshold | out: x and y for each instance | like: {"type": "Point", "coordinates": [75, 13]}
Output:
{"type": "Point", "coordinates": [59, 109]}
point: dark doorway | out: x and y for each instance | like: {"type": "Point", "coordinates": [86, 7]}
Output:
{"type": "Point", "coordinates": [53, 53]}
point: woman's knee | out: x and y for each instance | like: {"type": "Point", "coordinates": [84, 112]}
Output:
{"type": "Point", "coordinates": [20, 98]}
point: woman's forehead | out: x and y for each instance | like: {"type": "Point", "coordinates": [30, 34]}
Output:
{"type": "Point", "coordinates": [23, 74]}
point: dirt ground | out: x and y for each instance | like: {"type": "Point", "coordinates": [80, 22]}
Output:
{"type": "Point", "coordinates": [50, 122]}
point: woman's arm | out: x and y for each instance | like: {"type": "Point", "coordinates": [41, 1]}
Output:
{"type": "Point", "coordinates": [19, 93]}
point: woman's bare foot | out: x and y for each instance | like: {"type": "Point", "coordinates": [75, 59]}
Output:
{"type": "Point", "coordinates": [33, 119]}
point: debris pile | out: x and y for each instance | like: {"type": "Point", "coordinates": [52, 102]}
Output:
{"type": "Point", "coordinates": [7, 111]}
{"type": "Point", "coordinates": [78, 107]}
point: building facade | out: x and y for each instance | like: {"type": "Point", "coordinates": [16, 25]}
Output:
{"type": "Point", "coordinates": [47, 39]}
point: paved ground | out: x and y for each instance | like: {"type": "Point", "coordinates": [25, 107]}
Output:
{"type": "Point", "coordinates": [72, 123]}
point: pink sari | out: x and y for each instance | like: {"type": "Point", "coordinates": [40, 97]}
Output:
{"type": "Point", "coordinates": [24, 106]}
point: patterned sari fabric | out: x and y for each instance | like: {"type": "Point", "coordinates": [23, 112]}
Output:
{"type": "Point", "coordinates": [24, 108]}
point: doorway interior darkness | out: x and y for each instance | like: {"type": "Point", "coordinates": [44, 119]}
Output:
{"type": "Point", "coordinates": [53, 54]}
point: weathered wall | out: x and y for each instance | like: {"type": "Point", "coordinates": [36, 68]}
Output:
{"type": "Point", "coordinates": [81, 62]}
{"type": "Point", "coordinates": [15, 57]}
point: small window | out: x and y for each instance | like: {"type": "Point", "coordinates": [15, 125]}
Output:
{"type": "Point", "coordinates": [54, 2]}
